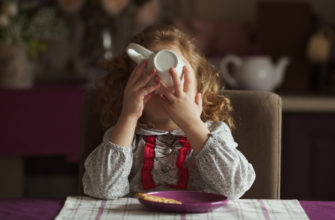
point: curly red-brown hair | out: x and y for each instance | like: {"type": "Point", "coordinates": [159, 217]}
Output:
{"type": "Point", "coordinates": [215, 107]}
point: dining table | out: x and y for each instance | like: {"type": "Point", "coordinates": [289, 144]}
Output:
{"type": "Point", "coordinates": [81, 207]}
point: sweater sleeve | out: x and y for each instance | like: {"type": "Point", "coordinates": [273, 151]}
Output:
{"type": "Point", "coordinates": [107, 169]}
{"type": "Point", "coordinates": [222, 166]}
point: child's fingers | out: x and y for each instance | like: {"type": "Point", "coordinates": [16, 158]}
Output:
{"type": "Point", "coordinates": [189, 79]}
{"type": "Point", "coordinates": [147, 97]}
{"type": "Point", "coordinates": [165, 90]}
{"type": "Point", "coordinates": [137, 72]}
{"type": "Point", "coordinates": [145, 91]}
{"type": "Point", "coordinates": [176, 81]}
{"type": "Point", "coordinates": [163, 101]}
{"type": "Point", "coordinates": [146, 79]}
{"type": "Point", "coordinates": [198, 100]}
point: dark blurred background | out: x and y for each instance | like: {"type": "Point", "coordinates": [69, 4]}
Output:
{"type": "Point", "coordinates": [51, 51]}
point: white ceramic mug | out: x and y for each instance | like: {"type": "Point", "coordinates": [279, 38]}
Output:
{"type": "Point", "coordinates": [161, 60]}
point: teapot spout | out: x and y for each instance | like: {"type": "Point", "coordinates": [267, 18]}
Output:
{"type": "Point", "coordinates": [280, 70]}
{"type": "Point", "coordinates": [138, 53]}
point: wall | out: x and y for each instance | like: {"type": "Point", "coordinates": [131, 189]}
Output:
{"type": "Point", "coordinates": [243, 10]}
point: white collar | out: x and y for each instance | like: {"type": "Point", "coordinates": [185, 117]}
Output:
{"type": "Point", "coordinates": [151, 131]}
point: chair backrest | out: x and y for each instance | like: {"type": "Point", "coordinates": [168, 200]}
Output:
{"type": "Point", "coordinates": [257, 117]}
{"type": "Point", "coordinates": [91, 131]}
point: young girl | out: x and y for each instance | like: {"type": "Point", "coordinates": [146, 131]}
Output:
{"type": "Point", "coordinates": [174, 139]}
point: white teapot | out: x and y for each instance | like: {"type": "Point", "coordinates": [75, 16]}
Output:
{"type": "Point", "coordinates": [254, 72]}
{"type": "Point", "coordinates": [161, 60]}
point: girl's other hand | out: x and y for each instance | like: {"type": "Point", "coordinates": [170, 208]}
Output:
{"type": "Point", "coordinates": [137, 92]}
{"type": "Point", "coordinates": [183, 104]}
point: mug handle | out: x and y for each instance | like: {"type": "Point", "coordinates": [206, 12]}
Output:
{"type": "Point", "coordinates": [225, 74]}
{"type": "Point", "coordinates": [138, 53]}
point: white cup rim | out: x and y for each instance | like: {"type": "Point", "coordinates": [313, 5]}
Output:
{"type": "Point", "coordinates": [173, 56]}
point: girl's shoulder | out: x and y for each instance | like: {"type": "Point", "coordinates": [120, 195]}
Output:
{"type": "Point", "coordinates": [221, 131]}
{"type": "Point", "coordinates": [217, 126]}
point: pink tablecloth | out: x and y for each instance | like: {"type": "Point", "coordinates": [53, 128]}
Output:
{"type": "Point", "coordinates": [319, 210]}
{"type": "Point", "coordinates": [28, 209]}
{"type": "Point", "coordinates": [41, 121]}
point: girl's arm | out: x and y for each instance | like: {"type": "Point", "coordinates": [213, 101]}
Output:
{"type": "Point", "coordinates": [123, 132]}
{"type": "Point", "coordinates": [107, 169]}
{"type": "Point", "coordinates": [197, 134]}
{"type": "Point", "coordinates": [222, 166]}
{"type": "Point", "coordinates": [136, 94]}
{"type": "Point", "coordinates": [184, 106]}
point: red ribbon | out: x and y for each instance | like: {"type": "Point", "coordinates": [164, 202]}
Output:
{"type": "Point", "coordinates": [182, 170]}
{"type": "Point", "coordinates": [148, 163]}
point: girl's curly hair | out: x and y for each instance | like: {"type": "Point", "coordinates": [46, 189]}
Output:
{"type": "Point", "coordinates": [216, 107]}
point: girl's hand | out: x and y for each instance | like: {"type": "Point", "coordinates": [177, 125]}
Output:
{"type": "Point", "coordinates": [135, 95]}
{"type": "Point", "coordinates": [137, 92]}
{"type": "Point", "coordinates": [184, 105]}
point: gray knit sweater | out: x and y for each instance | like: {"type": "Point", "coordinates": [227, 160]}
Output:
{"type": "Point", "coordinates": [161, 160]}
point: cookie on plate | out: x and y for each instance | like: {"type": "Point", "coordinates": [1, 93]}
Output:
{"type": "Point", "coordinates": [159, 199]}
